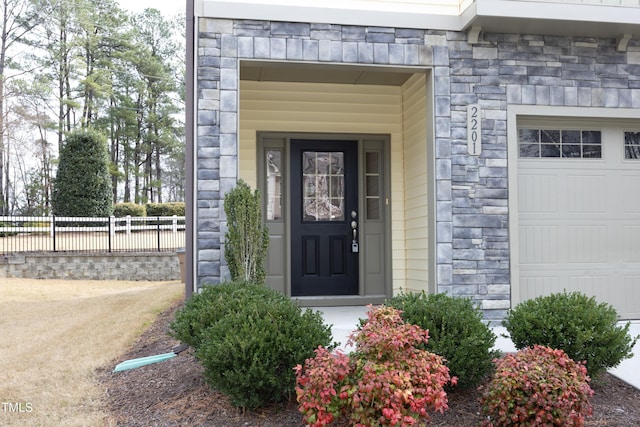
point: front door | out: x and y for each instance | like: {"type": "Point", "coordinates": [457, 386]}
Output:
{"type": "Point", "coordinates": [324, 217]}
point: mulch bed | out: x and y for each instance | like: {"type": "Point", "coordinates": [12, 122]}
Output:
{"type": "Point", "coordinates": [174, 393]}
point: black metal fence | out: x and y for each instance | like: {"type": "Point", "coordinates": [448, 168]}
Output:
{"type": "Point", "coordinates": [20, 234]}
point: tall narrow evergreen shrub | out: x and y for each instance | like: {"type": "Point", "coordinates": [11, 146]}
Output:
{"type": "Point", "coordinates": [246, 239]}
{"type": "Point", "coordinates": [82, 186]}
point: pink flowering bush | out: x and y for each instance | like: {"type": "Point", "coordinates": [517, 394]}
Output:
{"type": "Point", "coordinates": [386, 381]}
{"type": "Point", "coordinates": [537, 386]}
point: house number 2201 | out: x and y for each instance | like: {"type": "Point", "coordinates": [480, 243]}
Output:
{"type": "Point", "coordinates": [474, 129]}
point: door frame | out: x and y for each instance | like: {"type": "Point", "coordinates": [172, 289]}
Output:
{"type": "Point", "coordinates": [375, 275]}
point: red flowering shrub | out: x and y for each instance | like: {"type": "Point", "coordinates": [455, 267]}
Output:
{"type": "Point", "coordinates": [318, 386]}
{"type": "Point", "coordinates": [537, 386]}
{"type": "Point", "coordinates": [387, 381]}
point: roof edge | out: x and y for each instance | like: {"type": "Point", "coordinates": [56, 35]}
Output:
{"type": "Point", "coordinates": [333, 15]}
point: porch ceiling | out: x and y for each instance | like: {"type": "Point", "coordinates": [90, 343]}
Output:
{"type": "Point", "coordinates": [325, 73]}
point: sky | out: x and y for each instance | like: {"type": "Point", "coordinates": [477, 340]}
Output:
{"type": "Point", "coordinates": [166, 7]}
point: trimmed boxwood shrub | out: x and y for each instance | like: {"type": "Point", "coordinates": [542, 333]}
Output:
{"type": "Point", "coordinates": [249, 338]}
{"type": "Point", "coordinates": [537, 386]}
{"type": "Point", "coordinates": [122, 210]}
{"type": "Point", "coordinates": [212, 304]}
{"type": "Point", "coordinates": [585, 329]}
{"type": "Point", "coordinates": [165, 209]}
{"type": "Point", "coordinates": [456, 332]}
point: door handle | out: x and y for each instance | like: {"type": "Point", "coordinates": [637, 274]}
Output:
{"type": "Point", "coordinates": [354, 244]}
{"type": "Point", "coordinates": [354, 225]}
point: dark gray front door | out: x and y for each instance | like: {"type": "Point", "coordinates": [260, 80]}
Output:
{"type": "Point", "coordinates": [324, 217]}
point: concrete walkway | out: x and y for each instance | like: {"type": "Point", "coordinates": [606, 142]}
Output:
{"type": "Point", "coordinates": [344, 320]}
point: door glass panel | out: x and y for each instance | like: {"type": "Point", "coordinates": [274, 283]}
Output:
{"type": "Point", "coordinates": [323, 186]}
{"type": "Point", "coordinates": [274, 185]}
{"type": "Point", "coordinates": [372, 184]}
{"type": "Point", "coordinates": [372, 162]}
{"type": "Point", "coordinates": [373, 208]}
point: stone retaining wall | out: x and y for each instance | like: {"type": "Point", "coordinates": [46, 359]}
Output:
{"type": "Point", "coordinates": [96, 266]}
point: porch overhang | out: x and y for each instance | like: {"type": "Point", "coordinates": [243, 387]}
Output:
{"type": "Point", "coordinates": [349, 12]}
{"type": "Point", "coordinates": [542, 17]}
{"type": "Point", "coordinates": [559, 18]}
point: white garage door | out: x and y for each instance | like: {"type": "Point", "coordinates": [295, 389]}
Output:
{"type": "Point", "coordinates": [579, 213]}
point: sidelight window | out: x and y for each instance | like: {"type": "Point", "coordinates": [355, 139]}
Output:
{"type": "Point", "coordinates": [274, 184]}
{"type": "Point", "coordinates": [373, 184]}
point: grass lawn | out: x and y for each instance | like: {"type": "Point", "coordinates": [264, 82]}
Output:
{"type": "Point", "coordinates": [55, 333]}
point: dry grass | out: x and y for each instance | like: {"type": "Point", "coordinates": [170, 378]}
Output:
{"type": "Point", "coordinates": [55, 334]}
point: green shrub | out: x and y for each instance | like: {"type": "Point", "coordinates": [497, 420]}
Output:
{"type": "Point", "coordinates": [122, 210]}
{"type": "Point", "coordinates": [537, 386]}
{"type": "Point", "coordinates": [212, 304]}
{"type": "Point", "coordinates": [43, 228]}
{"type": "Point", "coordinates": [4, 233]}
{"type": "Point", "coordinates": [388, 381]}
{"type": "Point", "coordinates": [38, 224]}
{"type": "Point", "coordinates": [456, 332]}
{"type": "Point", "coordinates": [585, 329]}
{"type": "Point", "coordinates": [249, 338]}
{"type": "Point", "coordinates": [165, 209]}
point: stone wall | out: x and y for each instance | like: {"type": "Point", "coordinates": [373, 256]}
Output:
{"type": "Point", "coordinates": [98, 266]}
{"type": "Point", "coordinates": [500, 71]}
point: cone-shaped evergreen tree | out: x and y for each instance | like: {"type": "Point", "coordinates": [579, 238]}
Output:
{"type": "Point", "coordinates": [82, 186]}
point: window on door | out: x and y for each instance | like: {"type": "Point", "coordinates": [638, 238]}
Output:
{"type": "Point", "coordinates": [323, 186]}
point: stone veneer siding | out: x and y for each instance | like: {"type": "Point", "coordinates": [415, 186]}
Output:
{"type": "Point", "coordinates": [98, 266]}
{"type": "Point", "coordinates": [471, 192]}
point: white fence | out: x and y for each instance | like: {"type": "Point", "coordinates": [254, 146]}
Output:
{"type": "Point", "coordinates": [90, 234]}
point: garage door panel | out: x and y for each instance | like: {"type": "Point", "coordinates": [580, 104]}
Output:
{"type": "Point", "coordinates": [631, 244]}
{"type": "Point", "coordinates": [587, 243]}
{"type": "Point", "coordinates": [595, 284]}
{"type": "Point", "coordinates": [540, 244]}
{"type": "Point", "coordinates": [533, 286]}
{"type": "Point", "coordinates": [598, 284]}
{"type": "Point", "coordinates": [542, 193]}
{"type": "Point", "coordinates": [586, 194]}
{"type": "Point", "coordinates": [632, 293]}
{"type": "Point", "coordinates": [630, 186]}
